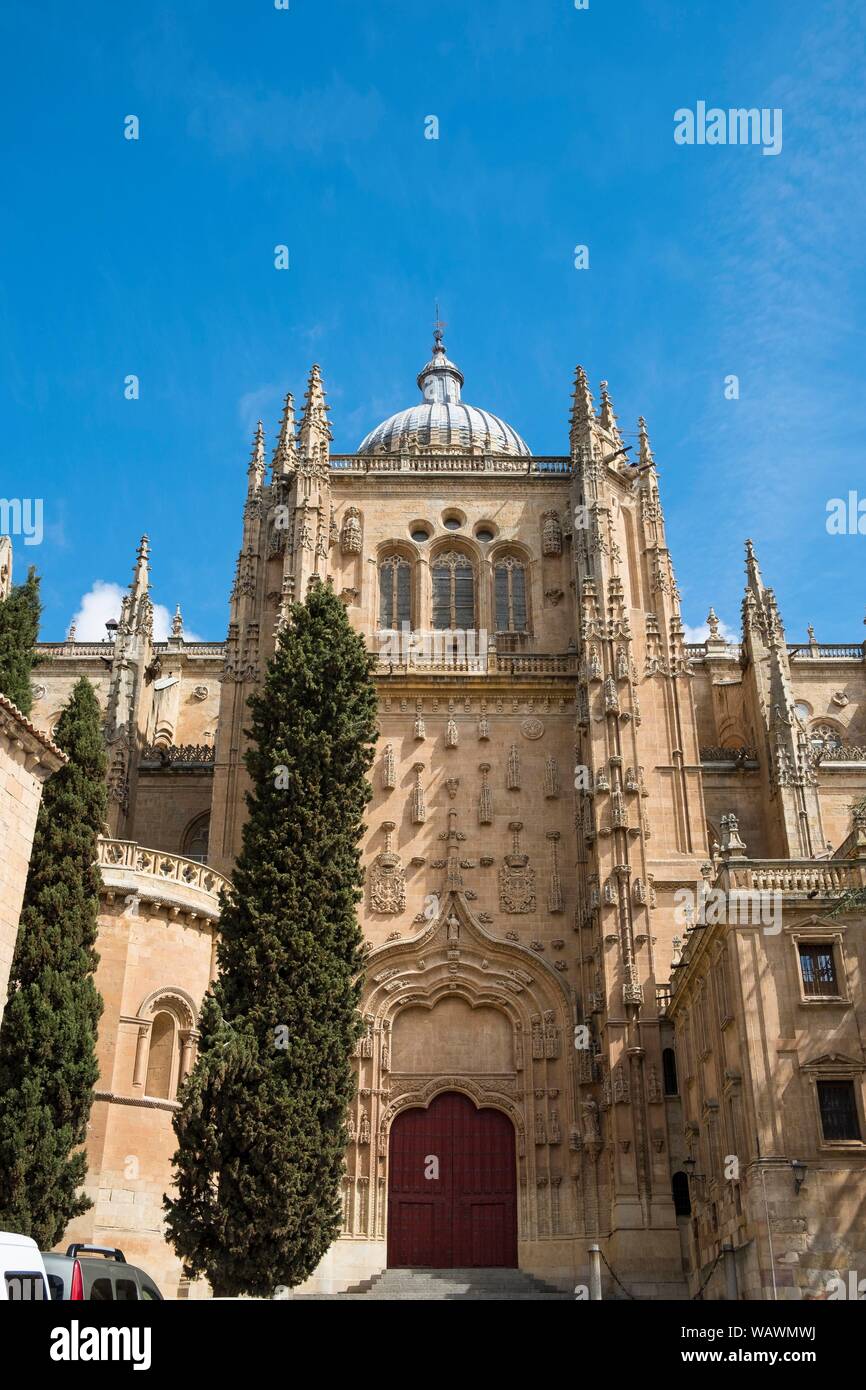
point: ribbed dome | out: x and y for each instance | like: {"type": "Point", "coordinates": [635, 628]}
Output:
{"type": "Point", "coordinates": [442, 422]}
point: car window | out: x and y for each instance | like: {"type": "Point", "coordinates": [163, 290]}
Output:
{"type": "Point", "coordinates": [24, 1286]}
{"type": "Point", "coordinates": [149, 1290]}
{"type": "Point", "coordinates": [55, 1285]}
{"type": "Point", "coordinates": [125, 1290]}
{"type": "Point", "coordinates": [101, 1290]}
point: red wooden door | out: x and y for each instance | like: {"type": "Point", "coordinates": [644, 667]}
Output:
{"type": "Point", "coordinates": [452, 1187]}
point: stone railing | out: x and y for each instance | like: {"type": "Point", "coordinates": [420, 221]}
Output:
{"type": "Point", "coordinates": [170, 880]}
{"type": "Point", "coordinates": [739, 756]}
{"type": "Point", "coordinates": [539, 466]}
{"type": "Point", "coordinates": [823, 651]}
{"type": "Point", "coordinates": [179, 755]}
{"type": "Point", "coordinates": [803, 878]}
{"type": "Point", "coordinates": [490, 662]}
{"type": "Point", "coordinates": [839, 753]}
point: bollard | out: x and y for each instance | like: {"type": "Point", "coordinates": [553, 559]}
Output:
{"type": "Point", "coordinates": [594, 1274]}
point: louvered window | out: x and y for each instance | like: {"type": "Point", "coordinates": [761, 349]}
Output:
{"type": "Point", "coordinates": [453, 592]}
{"type": "Point", "coordinates": [510, 593]}
{"type": "Point", "coordinates": [395, 593]}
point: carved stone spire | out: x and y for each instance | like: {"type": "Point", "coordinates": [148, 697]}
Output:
{"type": "Point", "coordinates": [285, 460]}
{"type": "Point", "coordinates": [256, 470]}
{"type": "Point", "coordinates": [645, 456]}
{"type": "Point", "coordinates": [607, 417]}
{"type": "Point", "coordinates": [177, 623]}
{"type": "Point", "coordinates": [315, 432]}
{"type": "Point", "coordinates": [582, 413]}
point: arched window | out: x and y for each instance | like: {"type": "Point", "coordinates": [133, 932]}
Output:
{"type": "Point", "coordinates": [825, 740]}
{"type": "Point", "coordinates": [509, 577]}
{"type": "Point", "coordinates": [669, 1071]}
{"type": "Point", "coordinates": [453, 592]}
{"type": "Point", "coordinates": [195, 841]}
{"type": "Point", "coordinates": [160, 1060]}
{"type": "Point", "coordinates": [680, 1193]}
{"type": "Point", "coordinates": [395, 593]}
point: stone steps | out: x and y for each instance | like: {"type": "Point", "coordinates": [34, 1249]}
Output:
{"type": "Point", "coordinates": [434, 1285]}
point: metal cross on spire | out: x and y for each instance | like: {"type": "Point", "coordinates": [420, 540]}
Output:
{"type": "Point", "coordinates": [438, 326]}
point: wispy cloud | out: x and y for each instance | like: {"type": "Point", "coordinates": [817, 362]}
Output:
{"type": "Point", "coordinates": [102, 602]}
{"type": "Point", "coordinates": [702, 632]}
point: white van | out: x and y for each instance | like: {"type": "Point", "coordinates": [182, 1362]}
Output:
{"type": "Point", "coordinates": [22, 1272]}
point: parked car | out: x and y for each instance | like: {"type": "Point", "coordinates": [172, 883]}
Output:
{"type": "Point", "coordinates": [22, 1272]}
{"type": "Point", "coordinates": [99, 1273]}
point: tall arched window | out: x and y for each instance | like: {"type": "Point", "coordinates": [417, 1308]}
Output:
{"type": "Point", "coordinates": [510, 595]}
{"type": "Point", "coordinates": [160, 1060]}
{"type": "Point", "coordinates": [395, 593]}
{"type": "Point", "coordinates": [669, 1070]}
{"type": "Point", "coordinates": [195, 841]}
{"type": "Point", "coordinates": [453, 592]}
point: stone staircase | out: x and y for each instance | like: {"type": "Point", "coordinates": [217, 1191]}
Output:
{"type": "Point", "coordinates": [491, 1285]}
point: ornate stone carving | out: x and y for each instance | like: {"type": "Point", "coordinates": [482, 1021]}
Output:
{"type": "Point", "coordinates": [551, 778]}
{"type": "Point", "coordinates": [551, 534]}
{"type": "Point", "coordinates": [452, 735]}
{"type": "Point", "coordinates": [554, 896]}
{"type": "Point", "coordinates": [389, 768]}
{"type": "Point", "coordinates": [350, 534]}
{"type": "Point", "coordinates": [532, 728]}
{"type": "Point", "coordinates": [516, 878]}
{"type": "Point", "coordinates": [419, 810]}
{"type": "Point", "coordinates": [512, 771]}
{"type": "Point", "coordinates": [485, 799]}
{"type": "Point", "coordinates": [387, 879]}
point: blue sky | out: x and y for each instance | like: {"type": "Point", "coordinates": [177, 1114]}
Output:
{"type": "Point", "coordinates": [306, 127]}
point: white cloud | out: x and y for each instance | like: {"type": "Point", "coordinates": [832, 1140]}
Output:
{"type": "Point", "coordinates": [103, 602]}
{"type": "Point", "coordinates": [701, 633]}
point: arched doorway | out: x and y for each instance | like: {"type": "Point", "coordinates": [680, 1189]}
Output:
{"type": "Point", "coordinates": [452, 1187]}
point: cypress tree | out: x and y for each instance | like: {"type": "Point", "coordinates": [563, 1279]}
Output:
{"type": "Point", "coordinates": [48, 1037]}
{"type": "Point", "coordinates": [19, 629]}
{"type": "Point", "coordinates": [261, 1129]}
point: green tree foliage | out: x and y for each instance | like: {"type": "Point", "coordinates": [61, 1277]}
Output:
{"type": "Point", "coordinates": [48, 1037]}
{"type": "Point", "coordinates": [262, 1128]}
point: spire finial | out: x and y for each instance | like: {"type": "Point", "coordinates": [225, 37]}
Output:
{"type": "Point", "coordinates": [582, 411]}
{"type": "Point", "coordinates": [285, 458]}
{"type": "Point", "coordinates": [438, 325]}
{"type": "Point", "coordinates": [315, 432]}
{"type": "Point", "coordinates": [607, 415]}
{"type": "Point", "coordinates": [177, 623]}
{"type": "Point", "coordinates": [256, 470]}
{"type": "Point", "coordinates": [645, 456]}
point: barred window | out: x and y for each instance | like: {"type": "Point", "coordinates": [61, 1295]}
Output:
{"type": "Point", "coordinates": [453, 592]}
{"type": "Point", "coordinates": [510, 594]}
{"type": "Point", "coordinates": [838, 1105]}
{"type": "Point", "coordinates": [818, 968]}
{"type": "Point", "coordinates": [395, 593]}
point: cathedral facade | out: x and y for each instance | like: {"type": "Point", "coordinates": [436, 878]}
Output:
{"type": "Point", "coordinates": [546, 1011]}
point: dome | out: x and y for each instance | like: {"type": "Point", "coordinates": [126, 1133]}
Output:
{"type": "Point", "coordinates": [442, 423]}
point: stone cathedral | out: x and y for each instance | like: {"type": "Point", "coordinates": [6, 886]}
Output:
{"type": "Point", "coordinates": [589, 1063]}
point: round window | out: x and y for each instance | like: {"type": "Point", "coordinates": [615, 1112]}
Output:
{"type": "Point", "coordinates": [483, 534]}
{"type": "Point", "coordinates": [451, 523]}
{"type": "Point", "coordinates": [420, 534]}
